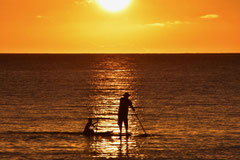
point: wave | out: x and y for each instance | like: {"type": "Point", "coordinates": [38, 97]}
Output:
{"type": "Point", "coordinates": [75, 133]}
{"type": "Point", "coordinates": [50, 133]}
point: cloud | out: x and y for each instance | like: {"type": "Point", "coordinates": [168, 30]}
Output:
{"type": "Point", "coordinates": [156, 24]}
{"type": "Point", "coordinates": [39, 17]}
{"type": "Point", "coordinates": [177, 22]}
{"type": "Point", "coordinates": [210, 16]}
{"type": "Point", "coordinates": [82, 2]}
{"type": "Point", "coordinates": [90, 1]}
{"type": "Point", "coordinates": [168, 23]}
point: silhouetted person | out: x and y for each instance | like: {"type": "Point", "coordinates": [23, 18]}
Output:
{"type": "Point", "coordinates": [123, 112]}
{"type": "Point", "coordinates": [87, 129]}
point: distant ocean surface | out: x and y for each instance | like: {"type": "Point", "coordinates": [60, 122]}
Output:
{"type": "Point", "coordinates": [188, 104]}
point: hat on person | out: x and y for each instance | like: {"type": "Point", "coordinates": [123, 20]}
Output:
{"type": "Point", "coordinates": [126, 94]}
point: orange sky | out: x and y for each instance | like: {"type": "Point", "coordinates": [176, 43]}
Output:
{"type": "Point", "coordinates": [146, 26]}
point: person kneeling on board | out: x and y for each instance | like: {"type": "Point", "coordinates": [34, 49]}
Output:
{"type": "Point", "coordinates": [88, 128]}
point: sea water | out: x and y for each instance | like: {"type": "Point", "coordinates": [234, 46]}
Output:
{"type": "Point", "coordinates": [188, 105]}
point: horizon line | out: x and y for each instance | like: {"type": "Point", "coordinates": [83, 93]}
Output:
{"type": "Point", "coordinates": [119, 53]}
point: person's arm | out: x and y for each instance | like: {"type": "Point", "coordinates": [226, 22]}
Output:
{"type": "Point", "coordinates": [93, 124]}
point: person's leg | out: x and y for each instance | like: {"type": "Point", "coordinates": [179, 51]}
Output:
{"type": "Point", "coordinates": [126, 125]}
{"type": "Point", "coordinates": [120, 125]}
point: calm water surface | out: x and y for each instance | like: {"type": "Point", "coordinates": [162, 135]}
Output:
{"type": "Point", "coordinates": [188, 104]}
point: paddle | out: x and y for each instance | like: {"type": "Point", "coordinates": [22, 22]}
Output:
{"type": "Point", "coordinates": [145, 134]}
{"type": "Point", "coordinates": [97, 126]}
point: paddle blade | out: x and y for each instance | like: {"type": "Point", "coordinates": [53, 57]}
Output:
{"type": "Point", "coordinates": [142, 135]}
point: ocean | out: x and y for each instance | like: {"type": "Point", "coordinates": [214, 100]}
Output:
{"type": "Point", "coordinates": [188, 105]}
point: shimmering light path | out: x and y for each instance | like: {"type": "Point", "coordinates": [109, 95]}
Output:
{"type": "Point", "coordinates": [188, 104]}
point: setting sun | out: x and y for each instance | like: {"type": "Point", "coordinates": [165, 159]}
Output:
{"type": "Point", "coordinates": [113, 5]}
{"type": "Point", "coordinates": [119, 26]}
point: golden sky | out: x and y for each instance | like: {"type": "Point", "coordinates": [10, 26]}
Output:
{"type": "Point", "coordinates": [145, 26]}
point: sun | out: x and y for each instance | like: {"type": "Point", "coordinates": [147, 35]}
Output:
{"type": "Point", "coordinates": [114, 5]}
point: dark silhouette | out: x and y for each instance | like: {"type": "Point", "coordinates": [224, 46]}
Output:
{"type": "Point", "coordinates": [123, 112]}
{"type": "Point", "coordinates": [89, 125]}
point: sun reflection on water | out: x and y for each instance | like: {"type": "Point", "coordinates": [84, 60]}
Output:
{"type": "Point", "coordinates": [112, 77]}
{"type": "Point", "coordinates": [114, 147]}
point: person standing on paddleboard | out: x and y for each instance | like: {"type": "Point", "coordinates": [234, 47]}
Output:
{"type": "Point", "coordinates": [123, 112]}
